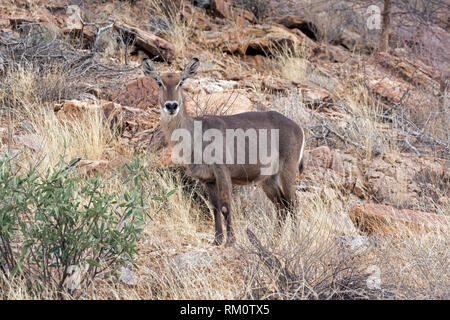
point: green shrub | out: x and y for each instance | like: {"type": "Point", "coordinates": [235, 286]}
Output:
{"type": "Point", "coordinates": [59, 226]}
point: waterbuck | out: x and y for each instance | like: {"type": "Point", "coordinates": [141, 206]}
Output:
{"type": "Point", "coordinates": [217, 165]}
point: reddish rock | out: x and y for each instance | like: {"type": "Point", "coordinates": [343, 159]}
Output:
{"type": "Point", "coordinates": [387, 219]}
{"type": "Point", "coordinates": [223, 102]}
{"type": "Point", "coordinates": [257, 61]}
{"type": "Point", "coordinates": [388, 89]}
{"type": "Point", "coordinates": [70, 110]}
{"type": "Point", "coordinates": [92, 167]}
{"type": "Point", "coordinates": [274, 85]}
{"type": "Point", "coordinates": [294, 21]}
{"type": "Point", "coordinates": [221, 8]}
{"type": "Point", "coordinates": [196, 18]}
{"type": "Point", "coordinates": [141, 93]}
{"type": "Point", "coordinates": [320, 157]}
{"type": "Point", "coordinates": [313, 94]}
{"type": "Point", "coordinates": [154, 45]}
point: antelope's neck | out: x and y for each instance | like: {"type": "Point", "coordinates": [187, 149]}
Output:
{"type": "Point", "coordinates": [181, 121]}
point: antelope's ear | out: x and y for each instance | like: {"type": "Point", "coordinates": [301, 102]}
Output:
{"type": "Point", "coordinates": [150, 71]}
{"type": "Point", "coordinates": [190, 70]}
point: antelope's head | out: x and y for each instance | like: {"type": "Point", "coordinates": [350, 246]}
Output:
{"type": "Point", "coordinates": [170, 86]}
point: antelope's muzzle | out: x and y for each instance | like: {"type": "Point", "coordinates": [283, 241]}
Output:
{"type": "Point", "coordinates": [171, 107]}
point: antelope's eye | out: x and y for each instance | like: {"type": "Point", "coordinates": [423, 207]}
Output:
{"type": "Point", "coordinates": [160, 84]}
{"type": "Point", "coordinates": [180, 83]}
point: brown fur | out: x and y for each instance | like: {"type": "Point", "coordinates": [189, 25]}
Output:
{"type": "Point", "coordinates": [218, 178]}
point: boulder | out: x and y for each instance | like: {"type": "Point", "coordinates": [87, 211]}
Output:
{"type": "Point", "coordinates": [192, 260]}
{"type": "Point", "coordinates": [141, 93]}
{"type": "Point", "coordinates": [389, 90]}
{"type": "Point", "coordinates": [314, 95]}
{"type": "Point", "coordinates": [274, 85]}
{"type": "Point", "coordinates": [381, 218]}
{"type": "Point", "coordinates": [154, 45]}
{"type": "Point", "coordinates": [70, 110]}
{"type": "Point", "coordinates": [320, 157]}
{"type": "Point", "coordinates": [220, 8]}
{"type": "Point", "coordinates": [222, 102]}
{"type": "Point", "coordinates": [92, 167]}
{"type": "Point", "coordinates": [260, 39]}
{"type": "Point", "coordinates": [32, 141]}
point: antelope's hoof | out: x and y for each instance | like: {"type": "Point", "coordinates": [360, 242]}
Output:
{"type": "Point", "coordinates": [230, 243]}
{"type": "Point", "coordinates": [217, 241]}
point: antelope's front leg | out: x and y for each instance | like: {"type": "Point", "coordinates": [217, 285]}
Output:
{"type": "Point", "coordinates": [224, 186]}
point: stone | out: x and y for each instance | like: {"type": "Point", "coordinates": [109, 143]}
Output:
{"type": "Point", "coordinates": [192, 260]}
{"type": "Point", "coordinates": [313, 94]}
{"type": "Point", "coordinates": [223, 102]}
{"type": "Point", "coordinates": [295, 21]}
{"type": "Point", "coordinates": [32, 141]}
{"type": "Point", "coordinates": [220, 8]}
{"type": "Point", "coordinates": [390, 90]}
{"type": "Point", "coordinates": [128, 277]}
{"type": "Point", "coordinates": [141, 93]}
{"type": "Point", "coordinates": [154, 45]}
{"type": "Point", "coordinates": [274, 85]}
{"type": "Point", "coordinates": [320, 157]}
{"type": "Point", "coordinates": [381, 218]}
{"type": "Point", "coordinates": [337, 164]}
{"type": "Point", "coordinates": [355, 243]}
{"type": "Point", "coordinates": [92, 167]}
{"type": "Point", "coordinates": [70, 110]}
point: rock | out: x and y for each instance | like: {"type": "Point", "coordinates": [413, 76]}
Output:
{"type": "Point", "coordinates": [354, 41]}
{"type": "Point", "coordinates": [247, 15]}
{"type": "Point", "coordinates": [320, 157]}
{"type": "Point", "coordinates": [258, 61]}
{"type": "Point", "coordinates": [387, 219]}
{"type": "Point", "coordinates": [223, 102]}
{"type": "Point", "coordinates": [337, 164]}
{"type": "Point", "coordinates": [388, 89]}
{"type": "Point", "coordinates": [92, 167]}
{"type": "Point", "coordinates": [141, 93]}
{"type": "Point", "coordinates": [211, 85]}
{"type": "Point", "coordinates": [133, 123]}
{"type": "Point", "coordinates": [196, 18]}
{"type": "Point", "coordinates": [274, 85]}
{"type": "Point", "coordinates": [300, 23]}
{"type": "Point", "coordinates": [192, 260]}
{"type": "Point", "coordinates": [220, 8]}
{"type": "Point", "coordinates": [32, 141]}
{"type": "Point", "coordinates": [70, 110]}
{"type": "Point", "coordinates": [314, 95]}
{"type": "Point", "coordinates": [260, 39]}
{"type": "Point", "coordinates": [355, 243]}
{"type": "Point", "coordinates": [150, 140]}
{"type": "Point", "coordinates": [204, 4]}
{"type": "Point", "coordinates": [154, 45]}
{"type": "Point", "coordinates": [128, 277]}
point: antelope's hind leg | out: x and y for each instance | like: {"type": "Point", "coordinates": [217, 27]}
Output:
{"type": "Point", "coordinates": [281, 191]}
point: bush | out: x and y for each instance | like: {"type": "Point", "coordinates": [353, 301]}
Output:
{"type": "Point", "coordinates": [60, 231]}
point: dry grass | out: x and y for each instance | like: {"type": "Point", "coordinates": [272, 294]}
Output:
{"type": "Point", "coordinates": [320, 263]}
{"type": "Point", "coordinates": [293, 64]}
{"type": "Point", "coordinates": [27, 94]}
{"type": "Point", "coordinates": [310, 248]}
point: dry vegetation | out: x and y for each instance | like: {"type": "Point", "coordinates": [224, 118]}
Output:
{"type": "Point", "coordinates": [308, 257]}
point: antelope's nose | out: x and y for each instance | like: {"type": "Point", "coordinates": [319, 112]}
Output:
{"type": "Point", "coordinates": [171, 106]}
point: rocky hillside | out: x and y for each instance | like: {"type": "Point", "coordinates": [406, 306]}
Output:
{"type": "Point", "coordinates": [376, 182]}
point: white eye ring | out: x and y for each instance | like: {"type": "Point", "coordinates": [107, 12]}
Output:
{"type": "Point", "coordinates": [180, 83]}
